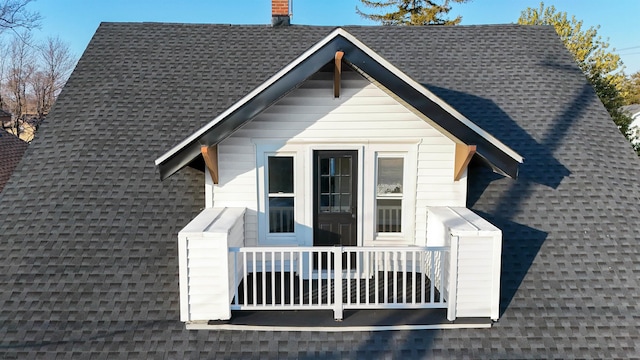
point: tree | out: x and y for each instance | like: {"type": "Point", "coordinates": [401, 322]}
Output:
{"type": "Point", "coordinates": [56, 65]}
{"type": "Point", "coordinates": [631, 92]}
{"type": "Point", "coordinates": [602, 68]}
{"type": "Point", "coordinates": [631, 96]}
{"type": "Point", "coordinates": [3, 61]}
{"type": "Point", "coordinates": [14, 15]}
{"type": "Point", "coordinates": [19, 71]}
{"type": "Point", "coordinates": [411, 12]}
{"type": "Point", "coordinates": [31, 77]}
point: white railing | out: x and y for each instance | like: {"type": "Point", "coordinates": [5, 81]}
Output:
{"type": "Point", "coordinates": [338, 278]}
{"type": "Point", "coordinates": [456, 266]}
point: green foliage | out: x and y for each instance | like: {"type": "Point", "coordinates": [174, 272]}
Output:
{"type": "Point", "coordinates": [411, 12]}
{"type": "Point", "coordinates": [602, 68]}
{"type": "Point", "coordinates": [631, 89]}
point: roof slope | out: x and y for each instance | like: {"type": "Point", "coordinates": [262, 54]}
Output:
{"type": "Point", "coordinates": [631, 109]}
{"type": "Point", "coordinates": [370, 65]}
{"type": "Point", "coordinates": [90, 262]}
{"type": "Point", "coordinates": [11, 151]}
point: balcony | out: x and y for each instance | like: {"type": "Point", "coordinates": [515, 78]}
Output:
{"type": "Point", "coordinates": [337, 278]}
{"type": "Point", "coordinates": [457, 271]}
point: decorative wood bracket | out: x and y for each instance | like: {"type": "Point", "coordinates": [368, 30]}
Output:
{"type": "Point", "coordinates": [464, 153]}
{"type": "Point", "coordinates": [210, 155]}
{"type": "Point", "coordinates": [337, 73]}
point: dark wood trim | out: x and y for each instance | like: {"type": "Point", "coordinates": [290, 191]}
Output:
{"type": "Point", "coordinates": [337, 73]}
{"type": "Point", "coordinates": [210, 155]}
{"type": "Point", "coordinates": [464, 153]}
{"type": "Point", "coordinates": [358, 58]}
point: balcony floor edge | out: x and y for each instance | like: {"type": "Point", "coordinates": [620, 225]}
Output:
{"type": "Point", "coordinates": [354, 320]}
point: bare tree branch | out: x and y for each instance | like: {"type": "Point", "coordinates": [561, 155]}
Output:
{"type": "Point", "coordinates": [14, 15]}
{"type": "Point", "coordinates": [56, 65]}
{"type": "Point", "coordinates": [20, 69]}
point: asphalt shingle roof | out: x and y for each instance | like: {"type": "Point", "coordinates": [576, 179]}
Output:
{"type": "Point", "coordinates": [88, 233]}
{"type": "Point", "coordinates": [631, 109]}
{"type": "Point", "coordinates": [11, 151]}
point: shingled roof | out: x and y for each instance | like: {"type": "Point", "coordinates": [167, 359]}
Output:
{"type": "Point", "coordinates": [88, 231]}
{"type": "Point", "coordinates": [358, 55]}
{"type": "Point", "coordinates": [11, 151]}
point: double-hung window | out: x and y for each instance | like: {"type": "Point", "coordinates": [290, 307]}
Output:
{"type": "Point", "coordinates": [280, 194]}
{"type": "Point", "coordinates": [389, 194]}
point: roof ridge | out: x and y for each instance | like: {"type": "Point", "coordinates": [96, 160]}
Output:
{"type": "Point", "coordinates": [397, 28]}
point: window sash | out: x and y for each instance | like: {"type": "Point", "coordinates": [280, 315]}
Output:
{"type": "Point", "coordinates": [389, 201]}
{"type": "Point", "coordinates": [280, 206]}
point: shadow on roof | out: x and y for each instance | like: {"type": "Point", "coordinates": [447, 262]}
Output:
{"type": "Point", "coordinates": [520, 245]}
{"type": "Point", "coordinates": [505, 202]}
{"type": "Point", "coordinates": [490, 117]}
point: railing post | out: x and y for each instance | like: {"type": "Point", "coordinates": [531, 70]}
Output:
{"type": "Point", "coordinates": [337, 280]}
{"type": "Point", "coordinates": [453, 278]}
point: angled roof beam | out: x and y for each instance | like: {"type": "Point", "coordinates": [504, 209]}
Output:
{"type": "Point", "coordinates": [337, 73]}
{"type": "Point", "coordinates": [245, 109]}
{"type": "Point", "coordinates": [210, 155]}
{"type": "Point", "coordinates": [464, 153]}
{"type": "Point", "coordinates": [504, 160]}
{"type": "Point", "coordinates": [501, 158]}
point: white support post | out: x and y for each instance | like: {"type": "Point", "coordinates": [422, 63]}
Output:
{"type": "Point", "coordinates": [183, 262]}
{"type": "Point", "coordinates": [337, 278]}
{"type": "Point", "coordinates": [453, 278]}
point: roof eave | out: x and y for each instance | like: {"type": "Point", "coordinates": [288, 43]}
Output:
{"type": "Point", "coordinates": [278, 85]}
{"type": "Point", "coordinates": [362, 57]}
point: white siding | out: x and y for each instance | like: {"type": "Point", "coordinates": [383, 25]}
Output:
{"type": "Point", "coordinates": [363, 115]}
{"type": "Point", "coordinates": [206, 280]}
{"type": "Point", "coordinates": [475, 277]}
{"type": "Point", "coordinates": [473, 267]}
{"type": "Point", "coordinates": [237, 186]}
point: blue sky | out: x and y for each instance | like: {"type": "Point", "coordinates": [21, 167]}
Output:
{"type": "Point", "coordinates": [75, 21]}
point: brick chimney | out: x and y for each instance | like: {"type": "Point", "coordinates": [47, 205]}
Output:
{"type": "Point", "coordinates": [280, 13]}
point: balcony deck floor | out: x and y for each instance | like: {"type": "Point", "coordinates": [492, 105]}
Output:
{"type": "Point", "coordinates": [353, 319]}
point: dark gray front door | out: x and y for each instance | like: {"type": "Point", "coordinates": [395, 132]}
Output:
{"type": "Point", "coordinates": [335, 189]}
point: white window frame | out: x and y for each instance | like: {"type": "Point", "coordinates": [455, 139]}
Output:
{"type": "Point", "coordinates": [408, 152]}
{"type": "Point", "coordinates": [401, 197]}
{"type": "Point", "coordinates": [264, 236]}
{"type": "Point", "coordinates": [279, 195]}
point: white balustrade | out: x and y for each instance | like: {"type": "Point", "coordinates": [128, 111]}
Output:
{"type": "Point", "coordinates": [338, 278]}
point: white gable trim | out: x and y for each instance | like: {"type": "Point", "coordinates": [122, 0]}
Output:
{"type": "Point", "coordinates": [369, 52]}
{"type": "Point", "coordinates": [250, 95]}
{"type": "Point", "coordinates": [431, 96]}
